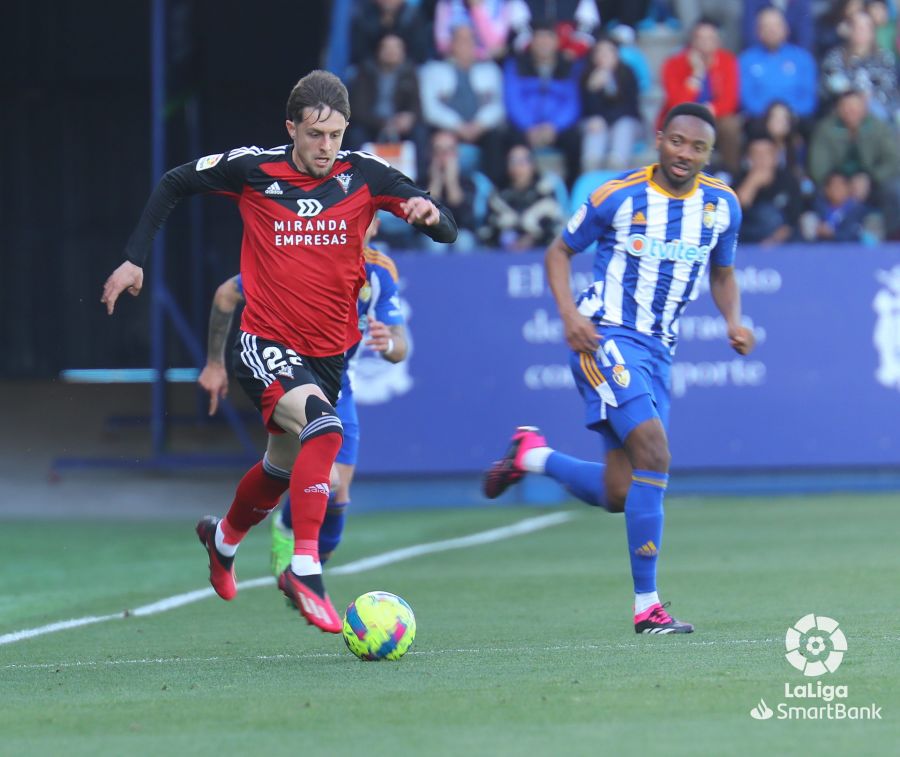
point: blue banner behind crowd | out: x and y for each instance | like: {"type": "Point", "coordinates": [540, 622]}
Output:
{"type": "Point", "coordinates": [488, 354]}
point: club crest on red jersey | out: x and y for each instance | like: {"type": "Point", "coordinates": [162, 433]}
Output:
{"type": "Point", "coordinates": [344, 180]}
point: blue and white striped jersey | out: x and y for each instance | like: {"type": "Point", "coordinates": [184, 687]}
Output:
{"type": "Point", "coordinates": [379, 298]}
{"type": "Point", "coordinates": [652, 248]}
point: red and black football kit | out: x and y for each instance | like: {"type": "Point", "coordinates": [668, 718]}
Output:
{"type": "Point", "coordinates": [302, 267]}
{"type": "Point", "coordinates": [302, 259]}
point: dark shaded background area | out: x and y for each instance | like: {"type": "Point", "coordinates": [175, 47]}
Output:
{"type": "Point", "coordinates": [75, 157]}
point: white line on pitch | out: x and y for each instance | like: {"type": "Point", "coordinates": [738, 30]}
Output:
{"type": "Point", "coordinates": [413, 653]}
{"type": "Point", "coordinates": [526, 526]}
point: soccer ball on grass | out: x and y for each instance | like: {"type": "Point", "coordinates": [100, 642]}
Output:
{"type": "Point", "coordinates": [379, 626]}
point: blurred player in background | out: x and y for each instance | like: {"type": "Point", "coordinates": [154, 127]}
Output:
{"type": "Point", "coordinates": [657, 229]}
{"type": "Point", "coordinates": [384, 326]}
{"type": "Point", "coordinates": [306, 207]}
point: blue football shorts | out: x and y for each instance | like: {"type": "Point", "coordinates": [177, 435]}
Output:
{"type": "Point", "coordinates": [346, 410]}
{"type": "Point", "coordinates": [625, 383]}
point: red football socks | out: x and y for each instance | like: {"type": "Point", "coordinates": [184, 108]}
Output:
{"type": "Point", "coordinates": [310, 484]}
{"type": "Point", "coordinates": [256, 496]}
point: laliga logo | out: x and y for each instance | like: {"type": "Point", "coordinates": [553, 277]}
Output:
{"type": "Point", "coordinates": [809, 639]}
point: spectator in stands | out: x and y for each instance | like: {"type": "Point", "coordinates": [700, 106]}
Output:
{"type": "Point", "coordinates": [375, 18]}
{"type": "Point", "coordinates": [705, 73]}
{"type": "Point", "coordinates": [384, 100]}
{"type": "Point", "coordinates": [838, 215]}
{"type": "Point", "coordinates": [769, 196]}
{"type": "Point", "coordinates": [781, 125]}
{"type": "Point", "coordinates": [488, 19]}
{"type": "Point", "coordinates": [774, 69]}
{"type": "Point", "coordinates": [885, 27]}
{"type": "Point", "coordinates": [798, 15]}
{"type": "Point", "coordinates": [611, 120]}
{"type": "Point", "coordinates": [575, 21]}
{"type": "Point", "coordinates": [465, 96]}
{"type": "Point", "coordinates": [833, 26]}
{"type": "Point", "coordinates": [853, 142]}
{"type": "Point", "coordinates": [526, 214]}
{"type": "Point", "coordinates": [633, 56]}
{"type": "Point", "coordinates": [859, 63]}
{"type": "Point", "coordinates": [542, 103]}
{"type": "Point", "coordinates": [448, 184]}
{"type": "Point", "coordinates": [726, 15]}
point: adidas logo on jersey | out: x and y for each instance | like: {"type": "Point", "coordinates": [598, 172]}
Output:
{"type": "Point", "coordinates": [274, 189]}
{"type": "Point", "coordinates": [639, 219]}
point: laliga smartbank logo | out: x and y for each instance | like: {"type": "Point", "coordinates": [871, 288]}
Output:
{"type": "Point", "coordinates": [815, 645]}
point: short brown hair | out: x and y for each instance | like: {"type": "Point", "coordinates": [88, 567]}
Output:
{"type": "Point", "coordinates": [321, 91]}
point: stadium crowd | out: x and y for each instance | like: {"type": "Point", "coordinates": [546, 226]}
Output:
{"type": "Point", "coordinates": [512, 111]}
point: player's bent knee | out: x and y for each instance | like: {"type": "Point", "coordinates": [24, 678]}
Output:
{"type": "Point", "coordinates": [648, 448]}
{"type": "Point", "coordinates": [320, 419]}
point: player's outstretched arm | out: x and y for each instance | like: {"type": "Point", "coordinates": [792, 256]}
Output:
{"type": "Point", "coordinates": [580, 332]}
{"type": "Point", "coordinates": [205, 175]}
{"type": "Point", "coordinates": [214, 376]}
{"type": "Point", "coordinates": [724, 289]}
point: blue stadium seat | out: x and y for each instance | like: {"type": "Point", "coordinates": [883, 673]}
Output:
{"type": "Point", "coordinates": [587, 183]}
{"type": "Point", "coordinates": [483, 188]}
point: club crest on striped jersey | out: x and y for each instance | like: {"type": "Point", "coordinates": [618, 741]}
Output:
{"type": "Point", "coordinates": [621, 375]}
{"type": "Point", "coordinates": [709, 215]}
{"type": "Point", "coordinates": [344, 180]}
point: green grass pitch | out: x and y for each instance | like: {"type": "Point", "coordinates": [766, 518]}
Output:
{"type": "Point", "coordinates": [524, 646]}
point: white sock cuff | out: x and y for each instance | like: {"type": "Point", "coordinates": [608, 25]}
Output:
{"type": "Point", "coordinates": [304, 565]}
{"type": "Point", "coordinates": [228, 550]}
{"type": "Point", "coordinates": [644, 602]}
{"type": "Point", "coordinates": [534, 460]}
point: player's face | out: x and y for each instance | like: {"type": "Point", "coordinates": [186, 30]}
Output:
{"type": "Point", "coordinates": [684, 150]}
{"type": "Point", "coordinates": [317, 139]}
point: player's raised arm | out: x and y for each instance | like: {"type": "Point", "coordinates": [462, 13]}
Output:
{"type": "Point", "coordinates": [580, 332]}
{"type": "Point", "coordinates": [213, 173]}
{"type": "Point", "coordinates": [726, 294]}
{"type": "Point", "coordinates": [214, 376]}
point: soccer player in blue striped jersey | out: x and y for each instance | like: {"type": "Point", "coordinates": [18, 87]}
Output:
{"type": "Point", "coordinates": [658, 230]}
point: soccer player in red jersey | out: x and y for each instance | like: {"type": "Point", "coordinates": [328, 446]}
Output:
{"type": "Point", "coordinates": [306, 207]}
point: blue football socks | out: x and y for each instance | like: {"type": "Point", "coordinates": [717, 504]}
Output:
{"type": "Point", "coordinates": [644, 525]}
{"type": "Point", "coordinates": [332, 528]}
{"type": "Point", "coordinates": [581, 478]}
{"type": "Point", "coordinates": [284, 513]}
